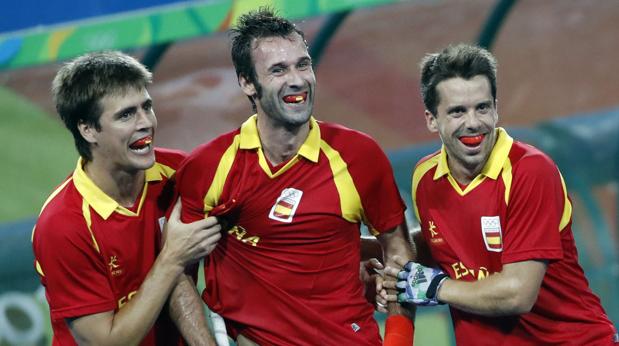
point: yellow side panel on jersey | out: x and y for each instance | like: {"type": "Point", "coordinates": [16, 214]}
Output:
{"type": "Point", "coordinates": [350, 202]}
{"type": "Point", "coordinates": [418, 173]}
{"type": "Point", "coordinates": [211, 199]}
{"type": "Point", "coordinates": [506, 175]}
{"type": "Point", "coordinates": [567, 207]}
{"type": "Point", "coordinates": [87, 217]}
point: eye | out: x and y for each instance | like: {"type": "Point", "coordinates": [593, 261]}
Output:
{"type": "Point", "coordinates": [456, 112]}
{"type": "Point", "coordinates": [483, 108]}
{"type": "Point", "coordinates": [304, 65]}
{"type": "Point", "coordinates": [126, 114]}
{"type": "Point", "coordinates": [147, 106]}
{"type": "Point", "coordinates": [277, 70]}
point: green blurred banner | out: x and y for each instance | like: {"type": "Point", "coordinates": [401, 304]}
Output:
{"type": "Point", "coordinates": [150, 27]}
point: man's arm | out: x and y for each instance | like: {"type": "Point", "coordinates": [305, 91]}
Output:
{"type": "Point", "coordinates": [399, 328]}
{"type": "Point", "coordinates": [395, 242]}
{"type": "Point", "coordinates": [187, 311]}
{"type": "Point", "coordinates": [184, 243]}
{"type": "Point", "coordinates": [513, 291]}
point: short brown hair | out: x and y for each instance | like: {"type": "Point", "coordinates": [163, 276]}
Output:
{"type": "Point", "coordinates": [462, 60]}
{"type": "Point", "coordinates": [81, 83]}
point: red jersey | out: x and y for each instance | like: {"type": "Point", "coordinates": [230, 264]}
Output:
{"type": "Point", "coordinates": [287, 273]}
{"type": "Point", "coordinates": [92, 254]}
{"type": "Point", "coordinates": [516, 209]}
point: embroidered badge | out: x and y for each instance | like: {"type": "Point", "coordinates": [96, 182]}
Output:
{"type": "Point", "coordinates": [286, 205]}
{"type": "Point", "coordinates": [491, 231]}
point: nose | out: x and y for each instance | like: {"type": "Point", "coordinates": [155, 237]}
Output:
{"type": "Point", "coordinates": [295, 78]}
{"type": "Point", "coordinates": [472, 120]}
{"type": "Point", "coordinates": [146, 119]}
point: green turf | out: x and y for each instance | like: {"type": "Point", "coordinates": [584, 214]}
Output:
{"type": "Point", "coordinates": [36, 152]}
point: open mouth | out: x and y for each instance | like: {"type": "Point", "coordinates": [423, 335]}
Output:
{"type": "Point", "coordinates": [142, 144]}
{"type": "Point", "coordinates": [472, 141]}
{"type": "Point", "coordinates": [295, 98]}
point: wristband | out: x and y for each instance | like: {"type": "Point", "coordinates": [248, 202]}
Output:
{"type": "Point", "coordinates": [399, 331]}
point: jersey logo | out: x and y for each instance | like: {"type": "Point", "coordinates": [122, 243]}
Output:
{"type": "Point", "coordinates": [113, 264]}
{"type": "Point", "coordinates": [491, 231]}
{"type": "Point", "coordinates": [435, 238]}
{"type": "Point", "coordinates": [286, 205]}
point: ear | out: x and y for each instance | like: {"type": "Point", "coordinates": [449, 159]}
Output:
{"type": "Point", "coordinates": [248, 87]}
{"type": "Point", "coordinates": [88, 132]}
{"type": "Point", "coordinates": [431, 121]}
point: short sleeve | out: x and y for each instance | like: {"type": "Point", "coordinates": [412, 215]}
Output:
{"type": "Point", "coordinates": [534, 212]}
{"type": "Point", "coordinates": [373, 176]}
{"type": "Point", "coordinates": [72, 271]}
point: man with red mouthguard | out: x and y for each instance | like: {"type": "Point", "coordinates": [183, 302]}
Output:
{"type": "Point", "coordinates": [495, 223]}
{"type": "Point", "coordinates": [294, 191]}
{"type": "Point", "coordinates": [98, 241]}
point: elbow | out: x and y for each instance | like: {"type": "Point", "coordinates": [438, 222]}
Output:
{"type": "Point", "coordinates": [519, 305]}
{"type": "Point", "coordinates": [521, 300]}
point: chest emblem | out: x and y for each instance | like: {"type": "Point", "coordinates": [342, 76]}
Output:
{"type": "Point", "coordinates": [491, 232]}
{"type": "Point", "coordinates": [286, 205]}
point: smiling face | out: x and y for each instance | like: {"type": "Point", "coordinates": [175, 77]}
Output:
{"type": "Point", "coordinates": [285, 78]}
{"type": "Point", "coordinates": [127, 127]}
{"type": "Point", "coordinates": [465, 119]}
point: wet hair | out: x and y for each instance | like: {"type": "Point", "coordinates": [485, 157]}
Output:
{"type": "Point", "coordinates": [81, 83]}
{"type": "Point", "coordinates": [462, 60]}
{"type": "Point", "coordinates": [251, 27]}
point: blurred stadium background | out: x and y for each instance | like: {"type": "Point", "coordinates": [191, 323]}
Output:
{"type": "Point", "coordinates": [558, 89]}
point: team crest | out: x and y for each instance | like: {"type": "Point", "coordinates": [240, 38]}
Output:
{"type": "Point", "coordinates": [491, 231]}
{"type": "Point", "coordinates": [286, 205]}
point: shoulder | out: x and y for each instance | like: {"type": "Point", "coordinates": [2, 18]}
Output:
{"type": "Point", "coordinates": [426, 164]}
{"type": "Point", "coordinates": [211, 152]}
{"type": "Point", "coordinates": [169, 157]}
{"type": "Point", "coordinates": [61, 216]}
{"type": "Point", "coordinates": [527, 158]}
{"type": "Point", "coordinates": [348, 140]}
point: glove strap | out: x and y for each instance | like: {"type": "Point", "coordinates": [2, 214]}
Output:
{"type": "Point", "coordinates": [435, 285]}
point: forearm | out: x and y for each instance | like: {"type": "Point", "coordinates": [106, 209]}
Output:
{"type": "Point", "coordinates": [131, 323]}
{"type": "Point", "coordinates": [187, 311]}
{"type": "Point", "coordinates": [510, 292]}
{"type": "Point", "coordinates": [396, 243]}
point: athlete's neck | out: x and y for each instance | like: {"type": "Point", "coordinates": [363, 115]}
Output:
{"type": "Point", "coordinates": [280, 142]}
{"type": "Point", "coordinates": [122, 186]}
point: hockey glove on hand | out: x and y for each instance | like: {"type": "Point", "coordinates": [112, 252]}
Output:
{"type": "Point", "coordinates": [418, 284]}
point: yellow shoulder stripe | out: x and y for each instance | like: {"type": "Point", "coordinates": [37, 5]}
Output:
{"type": "Point", "coordinates": [506, 175]}
{"type": "Point", "coordinates": [211, 199]}
{"type": "Point", "coordinates": [567, 207]}
{"type": "Point", "coordinates": [350, 202]}
{"type": "Point", "coordinates": [418, 173]}
{"type": "Point", "coordinates": [88, 219]}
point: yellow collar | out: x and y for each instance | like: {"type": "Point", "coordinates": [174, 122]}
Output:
{"type": "Point", "coordinates": [495, 162]}
{"type": "Point", "coordinates": [103, 204]}
{"type": "Point", "coordinates": [310, 149]}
